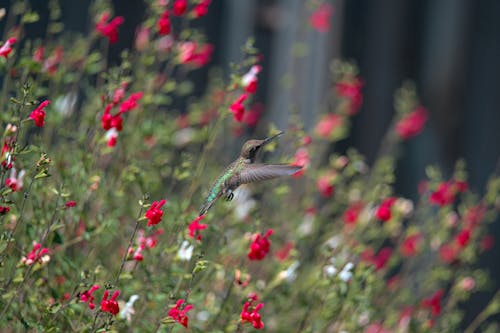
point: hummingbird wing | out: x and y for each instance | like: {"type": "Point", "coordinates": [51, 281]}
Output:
{"type": "Point", "coordinates": [258, 172]}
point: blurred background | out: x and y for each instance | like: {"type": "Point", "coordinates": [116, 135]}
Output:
{"type": "Point", "coordinates": [449, 48]}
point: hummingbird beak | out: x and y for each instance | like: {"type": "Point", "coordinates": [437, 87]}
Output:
{"type": "Point", "coordinates": [267, 140]}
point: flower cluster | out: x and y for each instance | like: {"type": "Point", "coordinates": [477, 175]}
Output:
{"type": "Point", "coordinates": [251, 314]}
{"type": "Point", "coordinates": [110, 305]}
{"type": "Point", "coordinates": [109, 29]}
{"type": "Point", "coordinates": [37, 254]}
{"type": "Point", "coordinates": [195, 227]}
{"type": "Point", "coordinates": [154, 213]}
{"type": "Point", "coordinates": [143, 243]}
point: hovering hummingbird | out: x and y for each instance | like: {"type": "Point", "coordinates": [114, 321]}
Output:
{"type": "Point", "coordinates": [244, 171]}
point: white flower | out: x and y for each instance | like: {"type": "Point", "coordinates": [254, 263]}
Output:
{"type": "Point", "coordinates": [251, 75]}
{"type": "Point", "coordinates": [128, 309]}
{"type": "Point", "coordinates": [290, 273]}
{"type": "Point", "coordinates": [185, 251]}
{"type": "Point", "coordinates": [346, 274]}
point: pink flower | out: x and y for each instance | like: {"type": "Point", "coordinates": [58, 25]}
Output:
{"type": "Point", "coordinates": [88, 297]}
{"type": "Point", "coordinates": [433, 303]}
{"type": "Point", "coordinates": [260, 246]}
{"type": "Point", "coordinates": [15, 181]}
{"type": "Point", "coordinates": [410, 245]}
{"type": "Point", "coordinates": [301, 159]}
{"type": "Point", "coordinates": [237, 108]}
{"type": "Point", "coordinates": [180, 315]}
{"type": "Point", "coordinates": [38, 114]}
{"type": "Point", "coordinates": [351, 90]}
{"type": "Point", "coordinates": [328, 124]}
{"type": "Point", "coordinates": [376, 328]}
{"type": "Point", "coordinates": [179, 7]}
{"type": "Point", "coordinates": [320, 18]}
{"type": "Point", "coordinates": [249, 80]}
{"type": "Point", "coordinates": [252, 315]}
{"type": "Point", "coordinates": [110, 305]}
{"type": "Point", "coordinates": [142, 38]}
{"type": "Point", "coordinates": [194, 54]}
{"type": "Point", "coordinates": [195, 227]}
{"type": "Point", "coordinates": [384, 210]}
{"type": "Point", "coordinates": [467, 283]}
{"type": "Point", "coordinates": [201, 8]}
{"type": "Point", "coordinates": [131, 102]}
{"type": "Point", "coordinates": [463, 238]}
{"type": "Point", "coordinates": [164, 25]}
{"type": "Point", "coordinates": [38, 54]}
{"type": "Point", "coordinates": [445, 193]}
{"type": "Point", "coordinates": [109, 30]}
{"type": "Point", "coordinates": [37, 254]}
{"type": "Point", "coordinates": [6, 48]}
{"type": "Point", "coordinates": [412, 124]}
{"type": "Point", "coordinates": [448, 253]}
{"type": "Point", "coordinates": [154, 213]}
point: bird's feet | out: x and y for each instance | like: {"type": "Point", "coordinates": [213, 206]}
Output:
{"type": "Point", "coordinates": [230, 196]}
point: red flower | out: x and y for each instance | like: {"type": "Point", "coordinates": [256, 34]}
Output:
{"type": "Point", "coordinates": [379, 260]}
{"type": "Point", "coordinates": [260, 246]}
{"type": "Point", "coordinates": [445, 193]}
{"type": "Point", "coordinates": [237, 108]}
{"type": "Point", "coordinates": [179, 7]}
{"type": "Point", "coordinates": [50, 65]}
{"type": "Point", "coordinates": [328, 124]}
{"type": "Point", "coordinates": [434, 303]}
{"type": "Point", "coordinates": [320, 18]}
{"type": "Point", "coordinates": [410, 245]}
{"type": "Point", "coordinates": [249, 80]}
{"type": "Point", "coordinates": [164, 26]}
{"type": "Point", "coordinates": [131, 102]}
{"type": "Point", "coordinates": [325, 186]}
{"type": "Point", "coordinates": [15, 181]}
{"type": "Point", "coordinates": [38, 115]}
{"type": "Point", "coordinates": [88, 297]}
{"type": "Point", "coordinates": [111, 137]}
{"type": "Point", "coordinates": [195, 227]}
{"type": "Point", "coordinates": [252, 116]}
{"type": "Point", "coordinates": [252, 315]}
{"type": "Point", "coordinates": [154, 213]}
{"type": "Point", "coordinates": [351, 214]}
{"type": "Point", "coordinates": [283, 253]}
{"type": "Point", "coordinates": [109, 30]}
{"type": "Point", "coordinates": [38, 54]}
{"type": "Point", "coordinates": [448, 253]}
{"type": "Point", "coordinates": [474, 215]}
{"type": "Point", "coordinates": [384, 210]}
{"type": "Point", "coordinates": [6, 48]}
{"type": "Point", "coordinates": [412, 124]}
{"type": "Point", "coordinates": [463, 238]}
{"type": "Point", "coordinates": [110, 305]}
{"type": "Point", "coordinates": [351, 90]}
{"type": "Point", "coordinates": [4, 210]}
{"type": "Point", "coordinates": [70, 204]}
{"type": "Point", "coordinates": [201, 8]}
{"type": "Point", "coordinates": [194, 54]}
{"type": "Point", "coordinates": [180, 315]}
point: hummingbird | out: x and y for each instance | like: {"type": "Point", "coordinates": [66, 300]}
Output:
{"type": "Point", "coordinates": [244, 170]}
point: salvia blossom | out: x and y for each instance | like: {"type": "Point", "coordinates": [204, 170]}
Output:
{"type": "Point", "coordinates": [325, 185]}
{"type": "Point", "coordinates": [260, 246]}
{"type": "Point", "coordinates": [201, 8]}
{"type": "Point", "coordinates": [164, 26]}
{"type": "Point", "coordinates": [6, 48]}
{"type": "Point", "coordinates": [433, 303]}
{"type": "Point", "coordinates": [379, 260]}
{"type": "Point", "coordinates": [301, 159]}
{"type": "Point", "coordinates": [463, 238]}
{"type": "Point", "coordinates": [110, 305]}
{"type": "Point", "coordinates": [351, 214]}
{"type": "Point", "coordinates": [350, 90]}
{"type": "Point", "coordinates": [37, 254]}
{"type": "Point", "coordinates": [15, 181]}
{"type": "Point", "coordinates": [412, 124]}
{"type": "Point", "coordinates": [448, 253]}
{"type": "Point", "coordinates": [88, 297]}
{"type": "Point", "coordinates": [283, 253]}
{"type": "Point", "coordinates": [237, 108]}
{"type": "Point", "coordinates": [52, 62]}
{"type": "Point", "coordinates": [111, 137]}
{"type": "Point", "coordinates": [179, 7]}
{"type": "Point", "coordinates": [179, 313]}
{"type": "Point", "coordinates": [446, 192]}
{"type": "Point", "coordinates": [70, 204]}
{"type": "Point", "coordinates": [195, 227]}
{"type": "Point", "coordinates": [154, 213]}
{"type": "Point", "coordinates": [131, 102]}
{"type": "Point", "coordinates": [249, 80]}
{"type": "Point", "coordinates": [193, 54]}
{"type": "Point", "coordinates": [384, 210]}
{"type": "Point", "coordinates": [38, 114]}
{"type": "Point", "coordinates": [4, 210]}
{"type": "Point", "coordinates": [143, 243]}
{"type": "Point", "coordinates": [128, 309]}
{"type": "Point", "coordinates": [320, 18]}
{"type": "Point", "coordinates": [251, 314]}
{"type": "Point", "coordinates": [109, 29]}
{"type": "Point", "coordinates": [410, 245]}
{"type": "Point", "coordinates": [467, 283]}
{"type": "Point", "coordinates": [252, 116]}
{"type": "Point", "coordinates": [328, 125]}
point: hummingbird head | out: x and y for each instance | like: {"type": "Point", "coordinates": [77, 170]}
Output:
{"type": "Point", "coordinates": [251, 147]}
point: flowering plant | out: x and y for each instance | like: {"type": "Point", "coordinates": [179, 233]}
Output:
{"type": "Point", "coordinates": [102, 174]}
